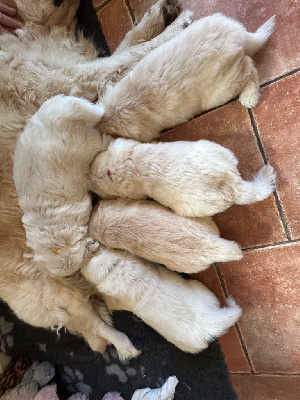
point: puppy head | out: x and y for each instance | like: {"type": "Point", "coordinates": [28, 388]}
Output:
{"type": "Point", "coordinates": [60, 252]}
{"type": "Point", "coordinates": [46, 12]}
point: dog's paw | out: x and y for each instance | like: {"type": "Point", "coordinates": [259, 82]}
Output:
{"type": "Point", "coordinates": [184, 20]}
{"type": "Point", "coordinates": [126, 350]}
{"type": "Point", "coordinates": [171, 10]}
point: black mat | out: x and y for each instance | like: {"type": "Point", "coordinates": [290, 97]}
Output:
{"type": "Point", "coordinates": [201, 377]}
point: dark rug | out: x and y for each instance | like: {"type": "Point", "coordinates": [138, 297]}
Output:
{"type": "Point", "coordinates": [201, 377]}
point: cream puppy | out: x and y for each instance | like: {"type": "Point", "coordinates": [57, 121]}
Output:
{"type": "Point", "coordinates": [185, 312]}
{"type": "Point", "coordinates": [194, 179]}
{"type": "Point", "coordinates": [205, 66]}
{"type": "Point", "coordinates": [151, 231]}
{"type": "Point", "coordinates": [51, 165]}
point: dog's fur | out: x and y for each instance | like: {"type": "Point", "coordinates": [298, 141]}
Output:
{"type": "Point", "coordinates": [153, 232]}
{"type": "Point", "coordinates": [185, 312]}
{"type": "Point", "coordinates": [44, 61]}
{"type": "Point", "coordinates": [195, 179]}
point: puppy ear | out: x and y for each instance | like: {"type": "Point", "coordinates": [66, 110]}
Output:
{"type": "Point", "coordinates": [71, 108]}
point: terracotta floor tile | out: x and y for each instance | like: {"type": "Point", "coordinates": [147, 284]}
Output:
{"type": "Point", "coordinates": [230, 343]}
{"type": "Point", "coordinates": [266, 284]}
{"type": "Point", "coordinates": [278, 121]}
{"type": "Point", "coordinates": [281, 53]}
{"type": "Point", "coordinates": [230, 125]}
{"type": "Point", "coordinates": [266, 387]}
{"type": "Point", "coordinates": [115, 21]}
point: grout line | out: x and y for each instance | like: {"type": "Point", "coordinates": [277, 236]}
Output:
{"type": "Point", "coordinates": [130, 10]}
{"type": "Point", "coordinates": [236, 324]}
{"type": "Point", "coordinates": [278, 78]}
{"type": "Point", "coordinates": [264, 156]}
{"type": "Point", "coordinates": [270, 245]}
{"type": "Point", "coordinates": [265, 374]}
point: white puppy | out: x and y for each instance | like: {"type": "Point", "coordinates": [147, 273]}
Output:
{"type": "Point", "coordinates": [195, 179]}
{"type": "Point", "coordinates": [151, 231]}
{"type": "Point", "coordinates": [185, 312]}
{"type": "Point", "coordinates": [51, 165]}
{"type": "Point", "coordinates": [205, 66]}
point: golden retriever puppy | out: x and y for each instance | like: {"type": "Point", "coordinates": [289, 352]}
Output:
{"type": "Point", "coordinates": [51, 167]}
{"type": "Point", "coordinates": [153, 232]}
{"type": "Point", "coordinates": [185, 312]}
{"type": "Point", "coordinates": [195, 179]}
{"type": "Point", "coordinates": [205, 66]}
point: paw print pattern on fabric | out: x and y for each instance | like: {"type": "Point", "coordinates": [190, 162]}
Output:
{"type": "Point", "coordinates": [74, 381]}
{"type": "Point", "coordinates": [7, 340]}
{"type": "Point", "coordinates": [117, 367]}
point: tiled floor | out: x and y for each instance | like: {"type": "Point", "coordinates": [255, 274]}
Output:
{"type": "Point", "coordinates": [263, 350]}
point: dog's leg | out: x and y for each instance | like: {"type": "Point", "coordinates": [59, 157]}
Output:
{"type": "Point", "coordinates": [250, 95]}
{"type": "Point", "coordinates": [45, 302]}
{"type": "Point", "coordinates": [108, 71]}
{"type": "Point", "coordinates": [156, 19]}
{"type": "Point", "coordinates": [153, 232]}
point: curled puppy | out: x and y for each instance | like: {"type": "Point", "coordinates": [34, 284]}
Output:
{"type": "Point", "coordinates": [151, 231]}
{"type": "Point", "coordinates": [194, 179]}
{"type": "Point", "coordinates": [204, 66]}
{"type": "Point", "coordinates": [185, 312]}
{"type": "Point", "coordinates": [51, 164]}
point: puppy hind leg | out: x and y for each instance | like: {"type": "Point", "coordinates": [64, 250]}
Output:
{"type": "Point", "coordinates": [250, 94]}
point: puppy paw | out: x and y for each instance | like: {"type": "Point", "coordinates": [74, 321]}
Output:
{"type": "Point", "coordinates": [127, 353]}
{"type": "Point", "coordinates": [249, 99]}
{"type": "Point", "coordinates": [92, 245]}
{"type": "Point", "coordinates": [171, 9]}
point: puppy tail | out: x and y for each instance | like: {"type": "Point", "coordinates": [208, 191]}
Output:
{"type": "Point", "coordinates": [257, 39]}
{"type": "Point", "coordinates": [224, 318]}
{"type": "Point", "coordinates": [62, 108]}
{"type": "Point", "coordinates": [259, 189]}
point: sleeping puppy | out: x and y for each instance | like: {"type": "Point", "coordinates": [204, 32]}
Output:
{"type": "Point", "coordinates": [51, 165]}
{"type": "Point", "coordinates": [185, 312]}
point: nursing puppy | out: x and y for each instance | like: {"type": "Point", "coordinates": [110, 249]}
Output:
{"type": "Point", "coordinates": [205, 66]}
{"type": "Point", "coordinates": [153, 232]}
{"type": "Point", "coordinates": [185, 312]}
{"type": "Point", "coordinates": [194, 179]}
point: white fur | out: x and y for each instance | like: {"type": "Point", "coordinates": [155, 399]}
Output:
{"type": "Point", "coordinates": [205, 66]}
{"type": "Point", "coordinates": [153, 232]}
{"type": "Point", "coordinates": [195, 179]}
{"type": "Point", "coordinates": [185, 312]}
{"type": "Point", "coordinates": [42, 61]}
